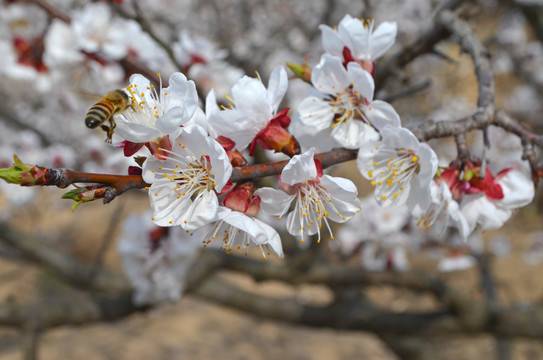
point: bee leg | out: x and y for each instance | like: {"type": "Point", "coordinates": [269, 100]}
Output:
{"type": "Point", "coordinates": [108, 131]}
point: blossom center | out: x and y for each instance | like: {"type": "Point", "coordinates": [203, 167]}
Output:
{"type": "Point", "coordinates": [191, 175]}
{"type": "Point", "coordinates": [434, 213]}
{"type": "Point", "coordinates": [313, 205]}
{"type": "Point", "coordinates": [232, 238]}
{"type": "Point", "coordinates": [146, 112]}
{"type": "Point", "coordinates": [392, 168]}
{"type": "Point", "coordinates": [347, 105]}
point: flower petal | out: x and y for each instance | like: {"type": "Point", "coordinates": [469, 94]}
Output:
{"type": "Point", "coordinates": [277, 87]}
{"type": "Point", "coordinates": [382, 39]}
{"type": "Point", "coordinates": [329, 76]}
{"type": "Point", "coordinates": [363, 82]}
{"type": "Point", "coordinates": [274, 202]}
{"type": "Point", "coordinates": [300, 168]}
{"type": "Point", "coordinates": [381, 113]}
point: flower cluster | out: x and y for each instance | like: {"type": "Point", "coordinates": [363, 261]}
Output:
{"type": "Point", "coordinates": [188, 151]}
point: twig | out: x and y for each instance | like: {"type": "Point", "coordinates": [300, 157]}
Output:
{"type": "Point", "coordinates": [503, 345]}
{"type": "Point", "coordinates": [29, 344]}
{"type": "Point", "coordinates": [53, 11]}
{"type": "Point", "coordinates": [409, 91]}
{"type": "Point", "coordinates": [71, 268]}
{"type": "Point", "coordinates": [106, 241]}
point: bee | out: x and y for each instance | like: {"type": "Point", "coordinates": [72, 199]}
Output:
{"type": "Point", "coordinates": [111, 104]}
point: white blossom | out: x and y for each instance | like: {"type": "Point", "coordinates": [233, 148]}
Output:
{"type": "Point", "coordinates": [155, 260]}
{"type": "Point", "coordinates": [344, 103]}
{"type": "Point", "coordinates": [364, 41]}
{"type": "Point", "coordinates": [318, 198]}
{"type": "Point", "coordinates": [184, 183]}
{"type": "Point", "coordinates": [154, 113]}
{"type": "Point", "coordinates": [400, 168]}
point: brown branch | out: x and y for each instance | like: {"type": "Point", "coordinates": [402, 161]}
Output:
{"type": "Point", "coordinates": [327, 159]}
{"type": "Point", "coordinates": [52, 11]}
{"type": "Point", "coordinates": [362, 316]}
{"type": "Point", "coordinates": [71, 268]}
{"type": "Point", "coordinates": [409, 91]}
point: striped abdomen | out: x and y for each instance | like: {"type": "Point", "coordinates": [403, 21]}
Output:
{"type": "Point", "coordinates": [99, 113]}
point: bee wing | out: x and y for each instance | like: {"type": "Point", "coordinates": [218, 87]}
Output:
{"type": "Point", "coordinates": [87, 96]}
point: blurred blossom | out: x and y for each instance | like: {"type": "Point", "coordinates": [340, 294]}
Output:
{"type": "Point", "coordinates": [23, 21]}
{"type": "Point", "coordinates": [534, 253]}
{"type": "Point", "coordinates": [524, 101]}
{"type": "Point", "coordinates": [389, 253]}
{"type": "Point", "coordinates": [491, 213]}
{"type": "Point", "coordinates": [443, 212]}
{"type": "Point", "coordinates": [27, 71]}
{"type": "Point", "coordinates": [502, 62]}
{"type": "Point", "coordinates": [511, 30]}
{"type": "Point", "coordinates": [60, 156]}
{"type": "Point", "coordinates": [156, 260]}
{"type": "Point", "coordinates": [99, 32]}
{"type": "Point", "coordinates": [412, 16]}
{"type": "Point", "coordinates": [61, 45]}
{"type": "Point", "coordinates": [500, 245]}
{"type": "Point", "coordinates": [195, 49]}
{"type": "Point", "coordinates": [205, 63]}
{"type": "Point", "coordinates": [372, 223]}
{"type": "Point", "coordinates": [456, 261]}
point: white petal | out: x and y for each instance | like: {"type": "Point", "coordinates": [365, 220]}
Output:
{"type": "Point", "coordinates": [362, 80]}
{"type": "Point", "coordinates": [136, 133]}
{"type": "Point", "coordinates": [351, 31]}
{"type": "Point", "coordinates": [381, 113]}
{"type": "Point", "coordinates": [277, 87]}
{"type": "Point", "coordinates": [316, 113]}
{"type": "Point", "coordinates": [201, 212]}
{"type": "Point", "coordinates": [479, 210]}
{"type": "Point", "coordinates": [235, 125]}
{"type": "Point", "coordinates": [300, 168]}
{"type": "Point", "coordinates": [331, 41]}
{"type": "Point", "coordinates": [171, 120]}
{"type": "Point", "coordinates": [179, 91]}
{"type": "Point", "coordinates": [329, 76]}
{"type": "Point", "coordinates": [398, 137]}
{"type": "Point", "coordinates": [167, 209]}
{"type": "Point", "coordinates": [211, 103]}
{"type": "Point", "coordinates": [274, 202]}
{"type": "Point", "coordinates": [428, 164]}
{"type": "Point", "coordinates": [251, 98]}
{"type": "Point", "coordinates": [365, 158]}
{"type": "Point", "coordinates": [242, 222]}
{"type": "Point", "coordinates": [354, 133]}
{"type": "Point", "coordinates": [518, 190]}
{"type": "Point", "coordinates": [340, 188]}
{"type": "Point", "coordinates": [273, 238]}
{"type": "Point", "coordinates": [382, 39]}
